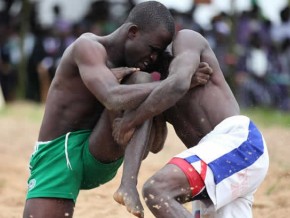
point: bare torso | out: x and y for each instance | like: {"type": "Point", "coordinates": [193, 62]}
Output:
{"type": "Point", "coordinates": [70, 105]}
{"type": "Point", "coordinates": [203, 107]}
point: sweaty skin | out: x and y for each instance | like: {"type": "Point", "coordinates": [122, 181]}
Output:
{"type": "Point", "coordinates": [192, 117]}
{"type": "Point", "coordinates": [192, 112]}
{"type": "Point", "coordinates": [139, 146]}
{"type": "Point", "coordinates": [84, 85]}
{"type": "Point", "coordinates": [196, 107]}
{"type": "Point", "coordinates": [141, 143]}
{"type": "Point", "coordinates": [202, 108]}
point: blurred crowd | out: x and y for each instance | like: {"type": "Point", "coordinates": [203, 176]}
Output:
{"type": "Point", "coordinates": [253, 52]}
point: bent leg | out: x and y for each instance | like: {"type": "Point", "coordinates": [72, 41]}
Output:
{"type": "Point", "coordinates": [241, 207]}
{"type": "Point", "coordinates": [127, 193]}
{"type": "Point", "coordinates": [48, 208]}
{"type": "Point", "coordinates": [53, 185]}
{"type": "Point", "coordinates": [104, 149]}
{"type": "Point", "coordinates": [101, 143]}
{"type": "Point", "coordinates": [166, 191]}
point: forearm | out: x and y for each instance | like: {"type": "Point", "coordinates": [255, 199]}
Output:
{"type": "Point", "coordinates": [170, 90]}
{"type": "Point", "coordinates": [90, 59]}
{"type": "Point", "coordinates": [128, 97]}
{"type": "Point", "coordinates": [160, 99]}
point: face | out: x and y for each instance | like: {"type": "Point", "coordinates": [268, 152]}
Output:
{"type": "Point", "coordinates": [142, 49]}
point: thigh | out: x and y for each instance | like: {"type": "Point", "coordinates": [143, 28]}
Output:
{"type": "Point", "coordinates": [48, 208]}
{"type": "Point", "coordinates": [101, 142]}
{"type": "Point", "coordinates": [56, 171]}
{"type": "Point", "coordinates": [96, 172]}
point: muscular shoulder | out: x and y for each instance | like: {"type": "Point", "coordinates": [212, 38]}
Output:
{"type": "Point", "coordinates": [87, 49]}
{"type": "Point", "coordinates": [189, 40]}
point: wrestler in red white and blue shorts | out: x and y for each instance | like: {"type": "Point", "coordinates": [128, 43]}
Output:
{"type": "Point", "coordinates": [232, 161]}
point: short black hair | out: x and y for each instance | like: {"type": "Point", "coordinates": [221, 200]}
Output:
{"type": "Point", "coordinates": [162, 64]}
{"type": "Point", "coordinates": [151, 14]}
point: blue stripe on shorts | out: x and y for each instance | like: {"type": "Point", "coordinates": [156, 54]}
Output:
{"type": "Point", "coordinates": [240, 158]}
{"type": "Point", "coordinates": [192, 159]}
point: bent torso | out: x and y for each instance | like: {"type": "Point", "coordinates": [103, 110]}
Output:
{"type": "Point", "coordinates": [201, 109]}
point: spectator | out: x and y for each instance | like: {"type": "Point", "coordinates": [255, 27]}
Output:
{"type": "Point", "coordinates": [252, 86]}
{"type": "Point", "coordinates": [279, 75]}
{"type": "Point", "coordinates": [8, 75]}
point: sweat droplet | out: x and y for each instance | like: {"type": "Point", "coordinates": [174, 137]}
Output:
{"type": "Point", "coordinates": [156, 206]}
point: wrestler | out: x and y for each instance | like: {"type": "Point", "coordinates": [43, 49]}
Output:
{"type": "Point", "coordinates": [226, 157]}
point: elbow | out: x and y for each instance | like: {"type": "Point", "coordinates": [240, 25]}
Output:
{"type": "Point", "coordinates": [109, 105]}
{"type": "Point", "coordinates": [113, 103]}
{"type": "Point", "coordinates": [180, 88]}
{"type": "Point", "coordinates": [111, 99]}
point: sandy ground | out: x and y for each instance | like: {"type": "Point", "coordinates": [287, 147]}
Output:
{"type": "Point", "coordinates": [19, 127]}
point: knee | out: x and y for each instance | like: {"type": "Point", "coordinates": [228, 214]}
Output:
{"type": "Point", "coordinates": [139, 77]}
{"type": "Point", "coordinates": [153, 190]}
{"type": "Point", "coordinates": [148, 187]}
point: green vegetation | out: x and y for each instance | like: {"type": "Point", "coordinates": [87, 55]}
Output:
{"type": "Point", "coordinates": [267, 117]}
{"type": "Point", "coordinates": [23, 110]}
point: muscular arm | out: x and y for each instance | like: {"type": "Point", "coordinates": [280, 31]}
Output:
{"type": "Point", "coordinates": [90, 57]}
{"type": "Point", "coordinates": [182, 68]}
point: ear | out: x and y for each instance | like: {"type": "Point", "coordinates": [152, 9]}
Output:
{"type": "Point", "coordinates": [133, 31]}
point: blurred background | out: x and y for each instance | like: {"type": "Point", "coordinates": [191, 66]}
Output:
{"type": "Point", "coordinates": [250, 38]}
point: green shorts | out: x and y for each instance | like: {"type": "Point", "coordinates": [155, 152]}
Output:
{"type": "Point", "coordinates": [61, 167]}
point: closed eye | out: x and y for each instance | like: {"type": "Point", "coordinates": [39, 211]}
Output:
{"type": "Point", "coordinates": [155, 49]}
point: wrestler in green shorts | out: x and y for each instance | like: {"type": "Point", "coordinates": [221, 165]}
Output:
{"type": "Point", "coordinates": [60, 168]}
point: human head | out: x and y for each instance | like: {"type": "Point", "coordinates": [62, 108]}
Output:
{"type": "Point", "coordinates": [151, 30]}
{"type": "Point", "coordinates": [162, 64]}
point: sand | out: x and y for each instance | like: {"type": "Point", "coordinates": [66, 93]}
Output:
{"type": "Point", "coordinates": [19, 129]}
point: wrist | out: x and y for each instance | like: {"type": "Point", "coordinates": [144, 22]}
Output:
{"type": "Point", "coordinates": [129, 120]}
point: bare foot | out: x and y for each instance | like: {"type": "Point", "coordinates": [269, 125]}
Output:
{"type": "Point", "coordinates": [130, 199]}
